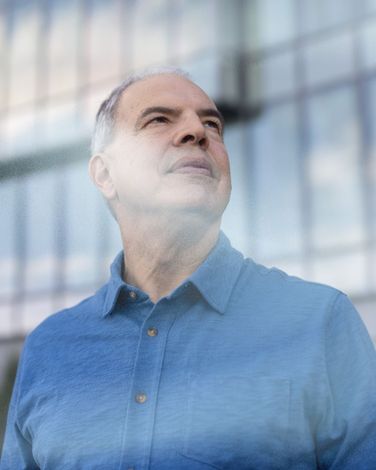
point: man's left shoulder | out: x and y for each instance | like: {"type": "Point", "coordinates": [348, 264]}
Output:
{"type": "Point", "coordinates": [272, 285]}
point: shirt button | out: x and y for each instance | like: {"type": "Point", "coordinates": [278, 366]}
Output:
{"type": "Point", "coordinates": [152, 331]}
{"type": "Point", "coordinates": [141, 398]}
{"type": "Point", "coordinates": [133, 295]}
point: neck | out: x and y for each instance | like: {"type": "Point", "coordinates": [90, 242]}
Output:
{"type": "Point", "coordinates": [159, 256]}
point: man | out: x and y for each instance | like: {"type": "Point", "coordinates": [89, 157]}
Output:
{"type": "Point", "coordinates": [190, 357]}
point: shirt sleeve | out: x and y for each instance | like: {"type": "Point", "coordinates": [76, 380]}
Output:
{"type": "Point", "coordinates": [17, 450]}
{"type": "Point", "coordinates": [347, 434]}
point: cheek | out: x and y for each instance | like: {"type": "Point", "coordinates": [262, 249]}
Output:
{"type": "Point", "coordinates": [223, 160]}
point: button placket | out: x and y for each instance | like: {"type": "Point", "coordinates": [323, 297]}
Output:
{"type": "Point", "coordinates": [146, 379]}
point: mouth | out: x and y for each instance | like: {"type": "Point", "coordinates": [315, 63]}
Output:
{"type": "Point", "coordinates": [191, 165]}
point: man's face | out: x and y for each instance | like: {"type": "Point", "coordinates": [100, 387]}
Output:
{"type": "Point", "coordinates": [168, 152]}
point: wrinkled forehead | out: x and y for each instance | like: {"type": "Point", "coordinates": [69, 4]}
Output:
{"type": "Point", "coordinates": [161, 90]}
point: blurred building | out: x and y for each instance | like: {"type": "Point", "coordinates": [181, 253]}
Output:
{"type": "Point", "coordinates": [296, 80]}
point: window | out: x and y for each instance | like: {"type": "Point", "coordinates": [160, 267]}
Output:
{"type": "Point", "coordinates": [8, 211]}
{"type": "Point", "coordinates": [63, 45]}
{"type": "Point", "coordinates": [92, 102]}
{"type": "Point", "coordinates": [268, 23]}
{"type": "Point", "coordinates": [104, 40]}
{"type": "Point", "coordinates": [328, 59]}
{"type": "Point", "coordinates": [7, 321]}
{"type": "Point", "coordinates": [371, 101]}
{"type": "Point", "coordinates": [149, 39]}
{"type": "Point", "coordinates": [40, 273]}
{"type": "Point", "coordinates": [319, 14]}
{"type": "Point", "coordinates": [81, 201]}
{"type": "Point", "coordinates": [18, 133]}
{"type": "Point", "coordinates": [370, 5]}
{"type": "Point", "coordinates": [195, 27]}
{"type": "Point", "coordinates": [4, 46]}
{"type": "Point", "coordinates": [229, 32]}
{"type": "Point", "coordinates": [346, 272]}
{"type": "Point", "coordinates": [235, 223]}
{"type": "Point", "coordinates": [34, 311]}
{"type": "Point", "coordinates": [334, 169]}
{"type": "Point", "coordinates": [59, 123]}
{"type": "Point", "coordinates": [206, 72]}
{"type": "Point", "coordinates": [274, 183]}
{"type": "Point", "coordinates": [368, 41]}
{"type": "Point", "coordinates": [110, 240]}
{"type": "Point", "coordinates": [271, 77]}
{"type": "Point", "coordinates": [24, 36]}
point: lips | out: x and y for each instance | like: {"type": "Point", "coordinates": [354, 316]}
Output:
{"type": "Point", "coordinates": [192, 165]}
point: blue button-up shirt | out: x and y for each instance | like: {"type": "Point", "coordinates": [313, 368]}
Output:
{"type": "Point", "coordinates": [240, 367]}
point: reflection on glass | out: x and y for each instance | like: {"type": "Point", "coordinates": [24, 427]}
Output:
{"type": "Point", "coordinates": [110, 240]}
{"type": "Point", "coordinates": [234, 220]}
{"type": "Point", "coordinates": [6, 323]}
{"type": "Point", "coordinates": [319, 14]}
{"type": "Point", "coordinates": [40, 230]}
{"type": "Point", "coordinates": [59, 124]}
{"type": "Point", "coordinates": [149, 38]}
{"type": "Point", "coordinates": [370, 5]}
{"type": "Point", "coordinates": [104, 40]}
{"type": "Point", "coordinates": [346, 272]}
{"type": "Point", "coordinates": [268, 22]}
{"type": "Point", "coordinates": [371, 100]}
{"type": "Point", "coordinates": [62, 45]}
{"type": "Point", "coordinates": [205, 71]}
{"type": "Point", "coordinates": [217, 74]}
{"type": "Point", "coordinates": [91, 105]}
{"type": "Point", "coordinates": [276, 222]}
{"type": "Point", "coordinates": [8, 213]}
{"type": "Point", "coordinates": [334, 169]}
{"type": "Point", "coordinates": [81, 227]}
{"type": "Point", "coordinates": [74, 297]}
{"type": "Point", "coordinates": [4, 46]}
{"type": "Point", "coordinates": [328, 59]}
{"type": "Point", "coordinates": [23, 52]}
{"type": "Point", "coordinates": [18, 134]}
{"type": "Point", "coordinates": [271, 77]}
{"type": "Point", "coordinates": [228, 32]}
{"type": "Point", "coordinates": [195, 27]}
{"type": "Point", "coordinates": [35, 310]}
{"type": "Point", "coordinates": [293, 267]}
{"type": "Point", "coordinates": [368, 41]}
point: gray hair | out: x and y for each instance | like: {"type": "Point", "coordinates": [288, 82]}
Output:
{"type": "Point", "coordinates": [106, 115]}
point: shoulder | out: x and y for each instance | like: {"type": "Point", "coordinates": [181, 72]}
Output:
{"type": "Point", "coordinates": [67, 322]}
{"type": "Point", "coordinates": [274, 295]}
{"type": "Point", "coordinates": [271, 289]}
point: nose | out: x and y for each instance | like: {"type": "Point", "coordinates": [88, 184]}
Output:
{"type": "Point", "coordinates": [192, 131]}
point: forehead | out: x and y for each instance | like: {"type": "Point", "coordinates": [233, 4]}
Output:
{"type": "Point", "coordinates": [162, 90]}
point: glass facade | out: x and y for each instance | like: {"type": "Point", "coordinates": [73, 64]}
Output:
{"type": "Point", "coordinates": [296, 80]}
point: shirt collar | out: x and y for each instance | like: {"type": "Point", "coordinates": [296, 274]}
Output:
{"type": "Point", "coordinates": [214, 278]}
{"type": "Point", "coordinates": [115, 284]}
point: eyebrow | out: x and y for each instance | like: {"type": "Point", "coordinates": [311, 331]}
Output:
{"type": "Point", "coordinates": [205, 112]}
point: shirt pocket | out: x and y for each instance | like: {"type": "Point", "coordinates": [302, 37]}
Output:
{"type": "Point", "coordinates": [237, 422]}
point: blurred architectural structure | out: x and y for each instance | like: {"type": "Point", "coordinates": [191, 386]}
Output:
{"type": "Point", "coordinates": [296, 80]}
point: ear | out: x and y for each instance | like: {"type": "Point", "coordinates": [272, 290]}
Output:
{"type": "Point", "coordinates": [101, 177]}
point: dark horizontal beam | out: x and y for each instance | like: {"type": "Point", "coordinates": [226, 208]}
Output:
{"type": "Point", "coordinates": [43, 160]}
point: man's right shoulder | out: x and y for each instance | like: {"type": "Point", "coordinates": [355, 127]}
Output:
{"type": "Point", "coordinates": [71, 318]}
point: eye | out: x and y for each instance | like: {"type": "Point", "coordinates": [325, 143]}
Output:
{"type": "Point", "coordinates": [214, 125]}
{"type": "Point", "coordinates": [158, 120]}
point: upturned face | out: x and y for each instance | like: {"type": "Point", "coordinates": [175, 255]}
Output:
{"type": "Point", "coordinates": [167, 153]}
